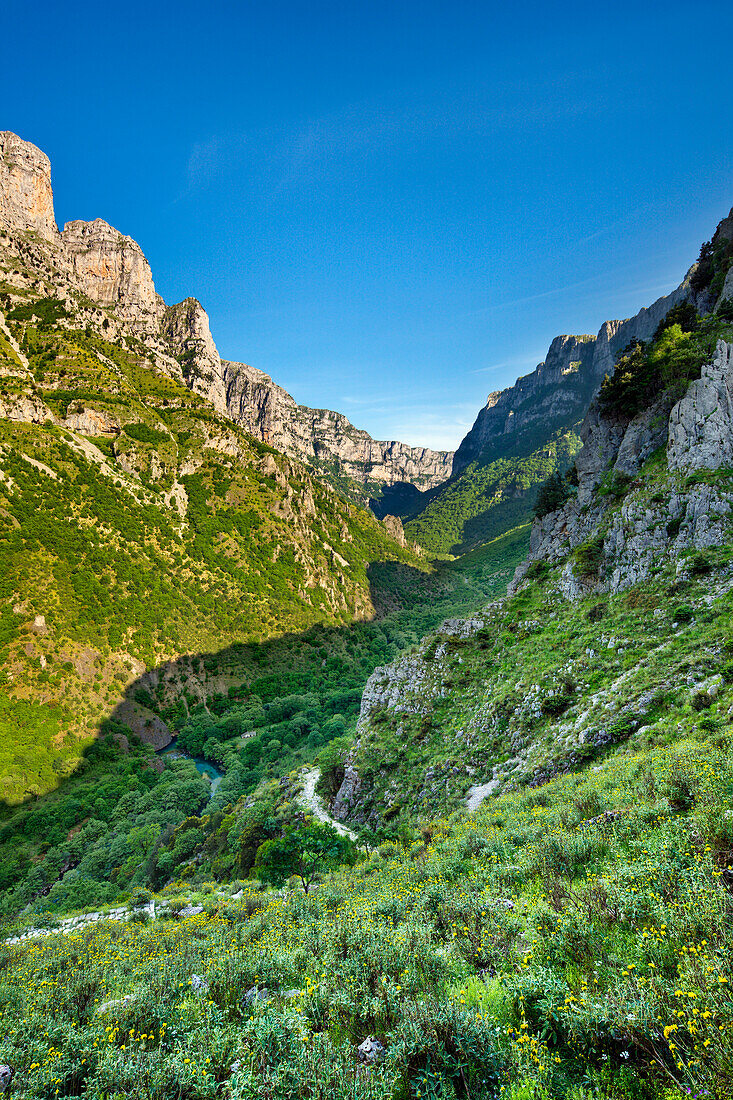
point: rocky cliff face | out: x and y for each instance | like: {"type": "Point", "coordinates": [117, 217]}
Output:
{"type": "Point", "coordinates": [324, 437]}
{"type": "Point", "coordinates": [110, 271]}
{"type": "Point", "coordinates": [557, 393]}
{"type": "Point", "coordinates": [678, 511]}
{"type": "Point", "coordinates": [26, 198]}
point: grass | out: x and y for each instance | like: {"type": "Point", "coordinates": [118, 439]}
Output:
{"type": "Point", "coordinates": [567, 942]}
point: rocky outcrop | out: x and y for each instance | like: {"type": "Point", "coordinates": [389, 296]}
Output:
{"type": "Point", "coordinates": [395, 529]}
{"type": "Point", "coordinates": [186, 326]}
{"type": "Point", "coordinates": [86, 421]}
{"type": "Point", "coordinates": [26, 197]}
{"type": "Point", "coordinates": [111, 269]}
{"type": "Point", "coordinates": [323, 437]}
{"type": "Point", "coordinates": [701, 424]}
{"type": "Point", "coordinates": [25, 408]}
{"type": "Point", "coordinates": [698, 434]}
{"type": "Point", "coordinates": [557, 393]}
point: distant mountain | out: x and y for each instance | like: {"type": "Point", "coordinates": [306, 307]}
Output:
{"type": "Point", "coordinates": [531, 428]}
{"type": "Point", "coordinates": [112, 272]}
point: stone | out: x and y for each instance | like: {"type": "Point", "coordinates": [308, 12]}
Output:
{"type": "Point", "coordinates": [111, 269]}
{"type": "Point", "coordinates": [39, 625]}
{"type": "Point", "coordinates": [26, 198]}
{"type": "Point", "coordinates": [269, 413]}
{"type": "Point", "coordinates": [87, 421]}
{"type": "Point", "coordinates": [347, 793]}
{"type": "Point", "coordinates": [395, 529]}
{"type": "Point", "coordinates": [701, 423]}
{"type": "Point", "coordinates": [187, 327]}
{"type": "Point", "coordinates": [371, 1050]}
{"type": "Point", "coordinates": [199, 984]}
{"type": "Point", "coordinates": [6, 1076]}
{"type": "Point", "coordinates": [560, 388]}
{"type": "Point", "coordinates": [119, 1002]}
{"type": "Point", "coordinates": [256, 995]}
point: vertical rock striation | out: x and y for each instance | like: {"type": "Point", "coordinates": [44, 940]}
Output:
{"type": "Point", "coordinates": [558, 391]}
{"type": "Point", "coordinates": [111, 271]}
{"type": "Point", "coordinates": [26, 197]}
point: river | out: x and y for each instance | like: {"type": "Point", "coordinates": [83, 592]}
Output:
{"type": "Point", "coordinates": [203, 767]}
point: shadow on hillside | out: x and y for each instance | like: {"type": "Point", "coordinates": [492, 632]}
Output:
{"type": "Point", "coordinates": [330, 662]}
{"type": "Point", "coordinates": [494, 521]}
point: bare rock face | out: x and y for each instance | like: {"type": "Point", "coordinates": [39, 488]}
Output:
{"type": "Point", "coordinates": [26, 198]}
{"type": "Point", "coordinates": [698, 432]}
{"type": "Point", "coordinates": [85, 421]}
{"type": "Point", "coordinates": [395, 529]}
{"type": "Point", "coordinates": [111, 269]}
{"type": "Point", "coordinates": [557, 393]}
{"type": "Point", "coordinates": [324, 437]}
{"type": "Point", "coordinates": [347, 793]}
{"type": "Point", "coordinates": [187, 327]}
{"type": "Point", "coordinates": [26, 408]}
{"type": "Point", "coordinates": [701, 424]}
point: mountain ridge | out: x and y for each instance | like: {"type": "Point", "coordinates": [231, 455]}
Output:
{"type": "Point", "coordinates": [112, 271]}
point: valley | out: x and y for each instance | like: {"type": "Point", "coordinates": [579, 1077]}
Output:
{"type": "Point", "coordinates": [307, 798]}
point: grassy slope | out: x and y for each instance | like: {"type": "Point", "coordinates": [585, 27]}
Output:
{"type": "Point", "coordinates": [489, 496]}
{"type": "Point", "coordinates": [570, 942]}
{"type": "Point", "coordinates": [89, 540]}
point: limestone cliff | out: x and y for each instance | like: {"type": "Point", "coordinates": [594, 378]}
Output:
{"type": "Point", "coordinates": [682, 509]}
{"type": "Point", "coordinates": [557, 392]}
{"type": "Point", "coordinates": [26, 198]}
{"type": "Point", "coordinates": [105, 276]}
{"type": "Point", "coordinates": [324, 437]}
{"type": "Point", "coordinates": [111, 269]}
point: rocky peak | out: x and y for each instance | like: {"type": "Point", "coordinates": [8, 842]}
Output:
{"type": "Point", "coordinates": [187, 327]}
{"type": "Point", "coordinates": [557, 392]}
{"type": "Point", "coordinates": [111, 269]}
{"type": "Point", "coordinates": [26, 198]}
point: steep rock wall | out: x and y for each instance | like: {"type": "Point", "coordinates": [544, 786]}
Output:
{"type": "Point", "coordinates": [697, 433]}
{"type": "Point", "coordinates": [110, 270]}
{"type": "Point", "coordinates": [557, 393]}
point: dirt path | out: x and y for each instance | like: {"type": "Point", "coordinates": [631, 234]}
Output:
{"type": "Point", "coordinates": [313, 802]}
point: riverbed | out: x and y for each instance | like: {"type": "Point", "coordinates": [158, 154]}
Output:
{"type": "Point", "coordinates": [203, 767]}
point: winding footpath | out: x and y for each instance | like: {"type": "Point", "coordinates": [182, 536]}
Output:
{"type": "Point", "coordinates": [313, 802]}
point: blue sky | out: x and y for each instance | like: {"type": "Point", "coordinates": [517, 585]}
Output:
{"type": "Point", "coordinates": [391, 208]}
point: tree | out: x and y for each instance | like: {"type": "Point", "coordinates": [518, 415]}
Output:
{"type": "Point", "coordinates": [551, 495]}
{"type": "Point", "coordinates": [303, 852]}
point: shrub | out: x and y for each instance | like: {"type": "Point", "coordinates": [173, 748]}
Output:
{"type": "Point", "coordinates": [588, 557]}
{"type": "Point", "coordinates": [551, 495]}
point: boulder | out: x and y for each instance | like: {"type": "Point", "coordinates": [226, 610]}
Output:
{"type": "Point", "coordinates": [371, 1050]}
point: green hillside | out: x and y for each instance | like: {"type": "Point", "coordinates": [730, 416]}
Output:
{"type": "Point", "coordinates": [489, 497]}
{"type": "Point", "coordinates": [169, 533]}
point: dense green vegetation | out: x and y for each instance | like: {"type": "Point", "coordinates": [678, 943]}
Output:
{"type": "Point", "coordinates": [288, 698]}
{"type": "Point", "coordinates": [129, 560]}
{"type": "Point", "coordinates": [681, 344]}
{"type": "Point", "coordinates": [490, 497]}
{"type": "Point", "coordinates": [568, 942]}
